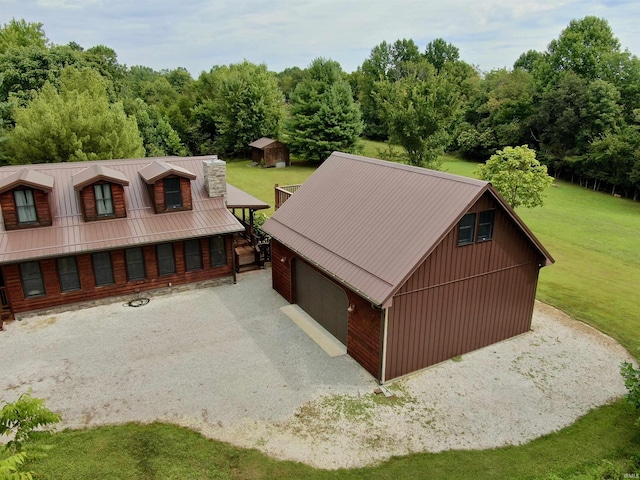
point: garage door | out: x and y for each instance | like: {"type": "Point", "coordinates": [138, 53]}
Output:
{"type": "Point", "coordinates": [325, 301]}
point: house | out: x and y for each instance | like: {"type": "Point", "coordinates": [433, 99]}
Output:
{"type": "Point", "coordinates": [406, 266]}
{"type": "Point", "coordinates": [89, 230]}
{"type": "Point", "coordinates": [272, 152]}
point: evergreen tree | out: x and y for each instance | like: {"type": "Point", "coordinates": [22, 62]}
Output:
{"type": "Point", "coordinates": [324, 117]}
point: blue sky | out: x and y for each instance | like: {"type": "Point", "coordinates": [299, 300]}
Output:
{"type": "Point", "coordinates": [197, 34]}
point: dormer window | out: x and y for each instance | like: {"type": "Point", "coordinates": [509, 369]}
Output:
{"type": "Point", "coordinates": [25, 207]}
{"type": "Point", "coordinates": [169, 186]}
{"type": "Point", "coordinates": [104, 199]}
{"type": "Point", "coordinates": [24, 199]}
{"type": "Point", "coordinates": [172, 193]}
{"type": "Point", "coordinates": [101, 192]}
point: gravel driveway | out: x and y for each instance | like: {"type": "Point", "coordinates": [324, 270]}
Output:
{"type": "Point", "coordinates": [228, 363]}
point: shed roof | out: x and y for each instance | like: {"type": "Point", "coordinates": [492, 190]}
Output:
{"type": "Point", "coordinates": [70, 234]}
{"type": "Point", "coordinates": [95, 173]}
{"type": "Point", "coordinates": [263, 142]}
{"type": "Point", "coordinates": [159, 169]}
{"type": "Point", "coordinates": [369, 223]}
{"type": "Point", "coordinates": [237, 198]}
{"type": "Point", "coordinates": [27, 177]}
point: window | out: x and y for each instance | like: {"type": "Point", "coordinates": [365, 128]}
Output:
{"type": "Point", "coordinates": [68, 274]}
{"type": "Point", "coordinates": [466, 229]}
{"type": "Point", "coordinates": [25, 206]}
{"type": "Point", "coordinates": [104, 200]}
{"type": "Point", "coordinates": [192, 255]}
{"type": "Point", "coordinates": [32, 283]}
{"type": "Point", "coordinates": [166, 264]}
{"type": "Point", "coordinates": [102, 269]}
{"type": "Point", "coordinates": [485, 225]}
{"type": "Point", "coordinates": [218, 249]}
{"type": "Point", "coordinates": [135, 264]}
{"type": "Point", "coordinates": [172, 195]}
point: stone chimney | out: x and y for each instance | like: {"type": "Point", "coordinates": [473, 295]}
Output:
{"type": "Point", "coordinates": [215, 177]}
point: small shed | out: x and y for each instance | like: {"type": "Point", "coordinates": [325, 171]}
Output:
{"type": "Point", "coordinates": [270, 152]}
{"type": "Point", "coordinates": [406, 266]}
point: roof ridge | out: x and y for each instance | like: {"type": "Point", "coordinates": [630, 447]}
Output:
{"type": "Point", "coordinates": [412, 168]}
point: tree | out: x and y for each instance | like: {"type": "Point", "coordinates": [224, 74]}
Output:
{"type": "Point", "coordinates": [438, 53]}
{"type": "Point", "coordinates": [420, 110]}
{"type": "Point", "coordinates": [75, 123]}
{"type": "Point", "coordinates": [25, 419]}
{"type": "Point", "coordinates": [158, 137]}
{"type": "Point", "coordinates": [324, 117]}
{"type": "Point", "coordinates": [19, 33]}
{"type": "Point", "coordinates": [585, 47]}
{"type": "Point", "coordinates": [386, 62]}
{"type": "Point", "coordinates": [247, 104]}
{"type": "Point", "coordinates": [517, 175]}
{"type": "Point", "coordinates": [631, 377]}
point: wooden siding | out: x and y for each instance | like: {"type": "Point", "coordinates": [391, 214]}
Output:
{"type": "Point", "coordinates": [89, 291]}
{"type": "Point", "coordinates": [157, 195]}
{"type": "Point", "coordinates": [88, 202]}
{"type": "Point", "coordinates": [463, 298]}
{"type": "Point", "coordinates": [365, 334]}
{"type": "Point", "coordinates": [10, 216]}
{"type": "Point", "coordinates": [281, 276]}
{"type": "Point", "coordinates": [271, 154]}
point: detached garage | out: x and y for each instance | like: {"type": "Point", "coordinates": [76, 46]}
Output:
{"type": "Point", "coordinates": [407, 267]}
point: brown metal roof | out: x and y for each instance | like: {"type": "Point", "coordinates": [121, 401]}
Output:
{"type": "Point", "coordinates": [237, 198]}
{"type": "Point", "coordinates": [369, 223]}
{"type": "Point", "coordinates": [70, 234]}
{"type": "Point", "coordinates": [262, 142]}
{"type": "Point", "coordinates": [95, 173]}
{"type": "Point", "coordinates": [159, 169]}
{"type": "Point", "coordinates": [28, 178]}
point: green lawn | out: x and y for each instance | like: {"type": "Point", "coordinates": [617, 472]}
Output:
{"type": "Point", "coordinates": [595, 239]}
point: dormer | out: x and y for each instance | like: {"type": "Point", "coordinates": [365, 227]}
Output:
{"type": "Point", "coordinates": [24, 197]}
{"type": "Point", "coordinates": [101, 192]}
{"type": "Point", "coordinates": [169, 186]}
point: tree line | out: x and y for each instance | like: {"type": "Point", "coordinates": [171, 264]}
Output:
{"type": "Point", "coordinates": [577, 104]}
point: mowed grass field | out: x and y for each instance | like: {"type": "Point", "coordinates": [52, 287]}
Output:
{"type": "Point", "coordinates": [595, 239]}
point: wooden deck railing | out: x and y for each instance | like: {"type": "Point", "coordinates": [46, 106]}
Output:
{"type": "Point", "coordinates": [283, 192]}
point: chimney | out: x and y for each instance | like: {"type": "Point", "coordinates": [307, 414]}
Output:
{"type": "Point", "coordinates": [215, 177]}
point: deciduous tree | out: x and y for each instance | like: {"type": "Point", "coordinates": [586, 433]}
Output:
{"type": "Point", "coordinates": [518, 176]}
{"type": "Point", "coordinates": [420, 110]}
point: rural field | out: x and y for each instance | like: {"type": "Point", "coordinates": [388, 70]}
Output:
{"type": "Point", "coordinates": [595, 240]}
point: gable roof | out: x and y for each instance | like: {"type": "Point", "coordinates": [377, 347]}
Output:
{"type": "Point", "coordinates": [28, 178]}
{"type": "Point", "coordinates": [96, 173]}
{"type": "Point", "coordinates": [159, 169]}
{"type": "Point", "coordinates": [369, 223]}
{"type": "Point", "coordinates": [263, 142]}
{"type": "Point", "coordinates": [70, 234]}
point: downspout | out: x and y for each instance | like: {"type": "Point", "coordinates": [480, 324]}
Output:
{"type": "Point", "coordinates": [384, 346]}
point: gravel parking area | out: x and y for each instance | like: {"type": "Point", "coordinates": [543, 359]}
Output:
{"type": "Point", "coordinates": [227, 362]}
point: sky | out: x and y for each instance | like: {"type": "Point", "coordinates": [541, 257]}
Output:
{"type": "Point", "coordinates": [198, 34]}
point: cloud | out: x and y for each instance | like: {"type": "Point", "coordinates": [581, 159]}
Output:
{"type": "Point", "coordinates": [198, 34]}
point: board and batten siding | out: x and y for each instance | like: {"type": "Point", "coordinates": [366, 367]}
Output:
{"type": "Point", "coordinates": [89, 291]}
{"type": "Point", "coordinates": [463, 298]}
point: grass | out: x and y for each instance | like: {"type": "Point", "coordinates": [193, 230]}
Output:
{"type": "Point", "coordinates": [157, 450]}
{"type": "Point", "coordinates": [595, 239]}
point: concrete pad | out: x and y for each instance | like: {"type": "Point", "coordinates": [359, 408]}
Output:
{"type": "Point", "coordinates": [316, 332]}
